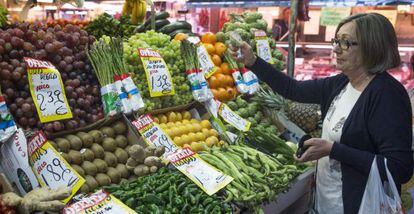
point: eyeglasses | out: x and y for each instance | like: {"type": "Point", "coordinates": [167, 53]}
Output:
{"type": "Point", "coordinates": [343, 43]}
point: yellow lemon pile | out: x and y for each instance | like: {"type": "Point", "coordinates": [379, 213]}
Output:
{"type": "Point", "coordinates": [187, 131]}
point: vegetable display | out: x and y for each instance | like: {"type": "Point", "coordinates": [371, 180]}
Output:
{"type": "Point", "coordinates": [170, 51]}
{"type": "Point", "coordinates": [65, 48]}
{"type": "Point", "coordinates": [100, 156]}
{"type": "Point", "coordinates": [143, 161]}
{"type": "Point", "coordinates": [245, 25]}
{"type": "Point", "coordinates": [258, 177]}
{"type": "Point", "coordinates": [107, 25]}
{"type": "Point", "coordinates": [3, 16]}
{"type": "Point", "coordinates": [167, 191]}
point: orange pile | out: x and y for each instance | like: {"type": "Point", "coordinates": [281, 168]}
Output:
{"type": "Point", "coordinates": [221, 83]}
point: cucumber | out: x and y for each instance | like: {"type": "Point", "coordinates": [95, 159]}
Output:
{"type": "Point", "coordinates": [186, 31]}
{"type": "Point", "coordinates": [158, 16]}
{"type": "Point", "coordinates": [175, 26]}
{"type": "Point", "coordinates": [140, 28]}
{"type": "Point", "coordinates": [158, 24]}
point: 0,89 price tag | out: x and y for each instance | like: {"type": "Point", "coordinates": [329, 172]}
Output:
{"type": "Point", "coordinates": [262, 46]}
{"type": "Point", "coordinates": [153, 133]}
{"type": "Point", "coordinates": [47, 91]}
{"type": "Point", "coordinates": [158, 76]}
{"type": "Point", "coordinates": [50, 168]}
{"type": "Point", "coordinates": [233, 119]}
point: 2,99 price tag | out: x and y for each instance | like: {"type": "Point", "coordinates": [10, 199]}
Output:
{"type": "Point", "coordinates": [158, 76]}
{"type": "Point", "coordinates": [262, 46]}
{"type": "Point", "coordinates": [233, 119]}
{"type": "Point", "coordinates": [50, 168]}
{"type": "Point", "coordinates": [48, 93]}
{"type": "Point", "coordinates": [153, 133]}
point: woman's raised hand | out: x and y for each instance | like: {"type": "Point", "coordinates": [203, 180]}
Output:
{"type": "Point", "coordinates": [247, 55]}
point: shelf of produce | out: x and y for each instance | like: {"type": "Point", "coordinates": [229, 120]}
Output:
{"type": "Point", "coordinates": [298, 195]}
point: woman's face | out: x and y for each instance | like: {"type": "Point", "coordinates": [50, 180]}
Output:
{"type": "Point", "coordinates": [348, 58]}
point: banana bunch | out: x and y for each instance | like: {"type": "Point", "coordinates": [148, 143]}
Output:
{"type": "Point", "coordinates": [137, 9]}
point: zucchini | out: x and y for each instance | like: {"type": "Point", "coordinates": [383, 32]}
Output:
{"type": "Point", "coordinates": [186, 31]}
{"type": "Point", "coordinates": [158, 24]}
{"type": "Point", "coordinates": [158, 16]}
{"type": "Point", "coordinates": [175, 26]}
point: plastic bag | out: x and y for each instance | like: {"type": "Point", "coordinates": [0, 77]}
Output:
{"type": "Point", "coordinates": [379, 198]}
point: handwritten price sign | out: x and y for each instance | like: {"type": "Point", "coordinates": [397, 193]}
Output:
{"type": "Point", "coordinates": [207, 177]}
{"type": "Point", "coordinates": [50, 168]}
{"type": "Point", "coordinates": [158, 75]}
{"type": "Point", "coordinates": [234, 119]}
{"type": "Point", "coordinates": [98, 203]}
{"type": "Point", "coordinates": [206, 64]}
{"type": "Point", "coordinates": [48, 93]}
{"type": "Point", "coordinates": [153, 134]}
{"type": "Point", "coordinates": [262, 46]}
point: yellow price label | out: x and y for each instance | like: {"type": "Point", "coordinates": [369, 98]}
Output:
{"type": "Point", "coordinates": [234, 119]}
{"type": "Point", "coordinates": [47, 90]}
{"type": "Point", "coordinates": [158, 76]}
{"type": "Point", "coordinates": [50, 168]}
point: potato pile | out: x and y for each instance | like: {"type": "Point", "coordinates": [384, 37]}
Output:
{"type": "Point", "coordinates": [144, 161]}
{"type": "Point", "coordinates": [98, 155]}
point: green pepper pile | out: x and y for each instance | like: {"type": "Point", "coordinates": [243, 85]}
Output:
{"type": "Point", "coordinates": [257, 177]}
{"type": "Point", "coordinates": [107, 25]}
{"type": "Point", "coordinates": [167, 191]}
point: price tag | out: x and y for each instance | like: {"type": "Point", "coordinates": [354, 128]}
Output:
{"type": "Point", "coordinates": [7, 125]}
{"type": "Point", "coordinates": [233, 119]}
{"type": "Point", "coordinates": [194, 39]}
{"type": "Point", "coordinates": [100, 202]}
{"type": "Point", "coordinates": [206, 64]}
{"type": "Point", "coordinates": [50, 168]}
{"type": "Point", "coordinates": [207, 177]}
{"type": "Point", "coordinates": [153, 134]}
{"type": "Point", "coordinates": [212, 106]}
{"type": "Point", "coordinates": [262, 46]}
{"type": "Point", "coordinates": [156, 70]}
{"type": "Point", "coordinates": [47, 90]}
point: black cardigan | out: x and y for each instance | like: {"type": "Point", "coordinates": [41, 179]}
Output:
{"type": "Point", "coordinates": [379, 124]}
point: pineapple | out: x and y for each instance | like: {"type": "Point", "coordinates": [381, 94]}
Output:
{"type": "Point", "coordinates": [317, 133]}
{"type": "Point", "coordinates": [306, 116]}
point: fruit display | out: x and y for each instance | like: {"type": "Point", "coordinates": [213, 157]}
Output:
{"type": "Point", "coordinates": [257, 177]}
{"type": "Point", "coordinates": [170, 51]}
{"type": "Point", "coordinates": [221, 83]}
{"type": "Point", "coordinates": [64, 48]}
{"type": "Point", "coordinates": [64, 22]}
{"type": "Point", "coordinates": [305, 116]}
{"type": "Point", "coordinates": [186, 131]}
{"type": "Point", "coordinates": [136, 9]}
{"type": "Point", "coordinates": [163, 25]}
{"type": "Point", "coordinates": [143, 161]}
{"type": "Point", "coordinates": [107, 25]}
{"type": "Point", "coordinates": [245, 25]}
{"type": "Point", "coordinates": [100, 156]}
{"type": "Point", "coordinates": [167, 191]}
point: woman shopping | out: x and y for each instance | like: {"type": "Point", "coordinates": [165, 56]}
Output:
{"type": "Point", "coordinates": [366, 112]}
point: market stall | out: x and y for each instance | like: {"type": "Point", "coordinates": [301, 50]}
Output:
{"type": "Point", "coordinates": [142, 112]}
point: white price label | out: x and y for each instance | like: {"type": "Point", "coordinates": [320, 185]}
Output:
{"type": "Point", "coordinates": [153, 133]}
{"type": "Point", "coordinates": [207, 177]}
{"type": "Point", "coordinates": [194, 39]}
{"type": "Point", "coordinates": [98, 203]}
{"type": "Point", "coordinates": [234, 119]}
{"type": "Point", "coordinates": [158, 76]}
{"type": "Point", "coordinates": [262, 46]}
{"type": "Point", "coordinates": [50, 168]}
{"type": "Point", "coordinates": [206, 64]}
{"type": "Point", "coordinates": [47, 90]}
{"type": "Point", "coordinates": [212, 107]}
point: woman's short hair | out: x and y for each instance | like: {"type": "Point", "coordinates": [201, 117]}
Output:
{"type": "Point", "coordinates": [377, 41]}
